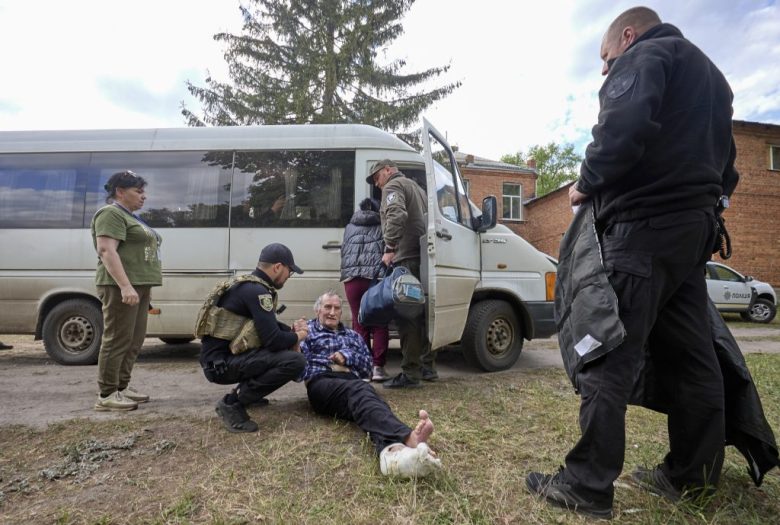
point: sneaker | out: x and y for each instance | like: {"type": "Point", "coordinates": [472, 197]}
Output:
{"type": "Point", "coordinates": [429, 374]}
{"type": "Point", "coordinates": [4, 346]}
{"type": "Point", "coordinates": [235, 417]}
{"type": "Point", "coordinates": [379, 374]}
{"type": "Point", "coordinates": [115, 401]}
{"type": "Point", "coordinates": [402, 381]}
{"type": "Point", "coordinates": [656, 481]}
{"type": "Point", "coordinates": [138, 397]}
{"type": "Point", "coordinates": [556, 491]}
{"type": "Point", "coordinates": [398, 460]}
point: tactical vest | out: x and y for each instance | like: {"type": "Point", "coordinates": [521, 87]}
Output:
{"type": "Point", "coordinates": [217, 322]}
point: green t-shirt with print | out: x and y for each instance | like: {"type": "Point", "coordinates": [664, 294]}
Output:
{"type": "Point", "coordinates": [139, 247]}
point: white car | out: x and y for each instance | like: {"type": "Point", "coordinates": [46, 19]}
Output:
{"type": "Point", "coordinates": [733, 292]}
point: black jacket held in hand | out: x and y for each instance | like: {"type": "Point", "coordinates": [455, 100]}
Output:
{"type": "Point", "coordinates": [586, 309]}
{"type": "Point", "coordinates": [663, 141]}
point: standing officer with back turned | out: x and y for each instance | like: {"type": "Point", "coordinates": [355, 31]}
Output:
{"type": "Point", "coordinates": [661, 160]}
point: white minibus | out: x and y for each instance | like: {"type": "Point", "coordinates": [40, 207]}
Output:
{"type": "Point", "coordinates": [210, 195]}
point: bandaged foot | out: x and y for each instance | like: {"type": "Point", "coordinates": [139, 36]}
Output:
{"type": "Point", "coordinates": [398, 460]}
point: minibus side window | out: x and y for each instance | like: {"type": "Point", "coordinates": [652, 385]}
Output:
{"type": "Point", "coordinates": [42, 190]}
{"type": "Point", "coordinates": [293, 189]}
{"type": "Point", "coordinates": [187, 189]}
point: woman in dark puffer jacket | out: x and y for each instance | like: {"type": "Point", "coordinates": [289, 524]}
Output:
{"type": "Point", "coordinates": [361, 255]}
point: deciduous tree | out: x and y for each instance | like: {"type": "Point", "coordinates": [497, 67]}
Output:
{"type": "Point", "coordinates": [556, 164]}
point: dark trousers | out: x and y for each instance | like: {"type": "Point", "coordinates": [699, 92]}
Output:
{"type": "Point", "coordinates": [258, 372]}
{"type": "Point", "coordinates": [415, 348]}
{"type": "Point", "coordinates": [656, 267]}
{"type": "Point", "coordinates": [346, 397]}
{"type": "Point", "coordinates": [355, 288]}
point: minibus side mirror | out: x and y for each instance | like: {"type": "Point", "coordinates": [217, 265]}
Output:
{"type": "Point", "coordinates": [489, 206]}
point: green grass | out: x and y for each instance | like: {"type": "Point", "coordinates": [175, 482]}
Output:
{"type": "Point", "coordinates": [491, 430]}
{"type": "Point", "coordinates": [735, 321]}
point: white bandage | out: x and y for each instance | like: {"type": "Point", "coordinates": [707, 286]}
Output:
{"type": "Point", "coordinates": [407, 462]}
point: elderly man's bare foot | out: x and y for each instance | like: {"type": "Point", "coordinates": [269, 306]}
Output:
{"type": "Point", "coordinates": [422, 431]}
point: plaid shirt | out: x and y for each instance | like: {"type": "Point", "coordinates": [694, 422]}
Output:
{"type": "Point", "coordinates": [322, 342]}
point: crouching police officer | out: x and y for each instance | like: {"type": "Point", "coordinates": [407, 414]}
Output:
{"type": "Point", "coordinates": [242, 342]}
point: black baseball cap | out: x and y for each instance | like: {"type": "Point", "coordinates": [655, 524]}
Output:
{"type": "Point", "coordinates": [279, 253]}
{"type": "Point", "coordinates": [384, 163]}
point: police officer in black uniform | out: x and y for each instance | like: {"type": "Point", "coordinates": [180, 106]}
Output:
{"type": "Point", "coordinates": [278, 360]}
{"type": "Point", "coordinates": [661, 159]}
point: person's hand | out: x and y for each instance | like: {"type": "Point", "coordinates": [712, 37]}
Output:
{"type": "Point", "coordinates": [575, 196]}
{"type": "Point", "coordinates": [301, 329]}
{"type": "Point", "coordinates": [338, 358]}
{"type": "Point", "coordinates": [278, 204]}
{"type": "Point", "coordinates": [387, 259]}
{"type": "Point", "coordinates": [129, 295]}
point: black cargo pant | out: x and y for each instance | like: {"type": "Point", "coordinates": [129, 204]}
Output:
{"type": "Point", "coordinates": [257, 372]}
{"type": "Point", "coordinates": [415, 347]}
{"type": "Point", "coordinates": [342, 395]}
{"type": "Point", "coordinates": [656, 267]}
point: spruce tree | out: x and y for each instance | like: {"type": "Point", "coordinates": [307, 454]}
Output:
{"type": "Point", "coordinates": [316, 61]}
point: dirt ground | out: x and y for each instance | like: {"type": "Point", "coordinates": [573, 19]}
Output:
{"type": "Point", "coordinates": [170, 461]}
{"type": "Point", "coordinates": [37, 392]}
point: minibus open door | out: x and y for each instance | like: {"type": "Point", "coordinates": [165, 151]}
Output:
{"type": "Point", "coordinates": [450, 249]}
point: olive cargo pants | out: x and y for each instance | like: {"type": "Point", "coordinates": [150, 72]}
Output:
{"type": "Point", "coordinates": [124, 329]}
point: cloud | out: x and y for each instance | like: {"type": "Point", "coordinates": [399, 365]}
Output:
{"type": "Point", "coordinates": [530, 70]}
{"type": "Point", "coordinates": [131, 94]}
{"type": "Point", "coordinates": [9, 107]}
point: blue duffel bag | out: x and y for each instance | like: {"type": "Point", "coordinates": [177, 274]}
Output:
{"type": "Point", "coordinates": [398, 294]}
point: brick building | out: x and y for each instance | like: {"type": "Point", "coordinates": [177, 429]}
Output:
{"type": "Point", "coordinates": [512, 185]}
{"type": "Point", "coordinates": [753, 220]}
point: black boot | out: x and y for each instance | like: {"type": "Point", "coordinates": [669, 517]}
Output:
{"type": "Point", "coordinates": [235, 417]}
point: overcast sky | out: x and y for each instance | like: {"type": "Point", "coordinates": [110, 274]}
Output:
{"type": "Point", "coordinates": [530, 70]}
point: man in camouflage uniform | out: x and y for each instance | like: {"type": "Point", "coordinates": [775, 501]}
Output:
{"type": "Point", "coordinates": [403, 215]}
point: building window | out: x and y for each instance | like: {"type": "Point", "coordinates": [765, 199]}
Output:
{"type": "Point", "coordinates": [467, 186]}
{"type": "Point", "coordinates": [512, 198]}
{"type": "Point", "coordinates": [774, 158]}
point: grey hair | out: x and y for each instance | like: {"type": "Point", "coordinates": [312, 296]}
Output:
{"type": "Point", "coordinates": [330, 292]}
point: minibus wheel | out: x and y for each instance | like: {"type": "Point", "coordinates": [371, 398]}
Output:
{"type": "Point", "coordinates": [72, 331]}
{"type": "Point", "coordinates": [492, 339]}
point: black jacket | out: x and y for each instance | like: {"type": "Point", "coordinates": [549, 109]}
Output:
{"type": "Point", "coordinates": [244, 299]}
{"type": "Point", "coordinates": [362, 247]}
{"type": "Point", "coordinates": [586, 304]}
{"type": "Point", "coordinates": [663, 141]}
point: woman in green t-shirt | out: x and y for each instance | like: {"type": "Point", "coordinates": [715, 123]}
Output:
{"type": "Point", "coordinates": [128, 266]}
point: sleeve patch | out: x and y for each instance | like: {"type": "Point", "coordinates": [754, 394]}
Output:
{"type": "Point", "coordinates": [266, 302]}
{"type": "Point", "coordinates": [619, 85]}
{"type": "Point", "coordinates": [390, 197]}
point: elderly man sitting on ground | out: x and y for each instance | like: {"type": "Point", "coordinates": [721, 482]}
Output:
{"type": "Point", "coordinates": [337, 361]}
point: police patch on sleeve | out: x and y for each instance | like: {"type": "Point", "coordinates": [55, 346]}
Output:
{"type": "Point", "coordinates": [390, 197]}
{"type": "Point", "coordinates": [266, 302]}
{"type": "Point", "coordinates": [619, 85]}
